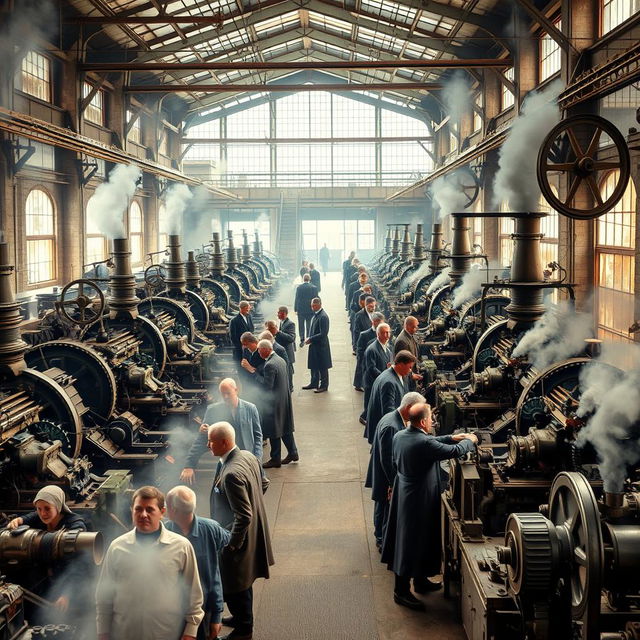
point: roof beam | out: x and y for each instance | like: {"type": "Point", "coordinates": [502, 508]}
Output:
{"type": "Point", "coordinates": [191, 141]}
{"type": "Point", "coordinates": [548, 26]}
{"type": "Point", "coordinates": [245, 88]}
{"type": "Point", "coordinates": [146, 20]}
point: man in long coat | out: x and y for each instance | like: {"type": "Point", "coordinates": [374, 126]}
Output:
{"type": "Point", "coordinates": [319, 358]}
{"type": "Point", "coordinates": [305, 293]}
{"type": "Point", "coordinates": [362, 319]}
{"type": "Point", "coordinates": [315, 276]}
{"type": "Point", "coordinates": [412, 541]}
{"type": "Point", "coordinates": [237, 504]}
{"type": "Point", "coordinates": [364, 340]}
{"type": "Point", "coordinates": [239, 324]}
{"type": "Point", "coordinates": [387, 391]}
{"type": "Point", "coordinates": [380, 473]}
{"type": "Point", "coordinates": [377, 358]}
{"type": "Point", "coordinates": [240, 414]}
{"type": "Point", "coordinates": [406, 340]}
{"type": "Point", "coordinates": [277, 409]}
{"type": "Point", "coordinates": [345, 267]}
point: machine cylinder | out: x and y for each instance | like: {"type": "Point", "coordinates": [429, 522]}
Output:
{"type": "Point", "coordinates": [232, 256]}
{"type": "Point", "coordinates": [122, 284]}
{"type": "Point", "coordinates": [405, 245]}
{"type": "Point", "coordinates": [176, 273]}
{"type": "Point", "coordinates": [192, 271]}
{"type": "Point", "coordinates": [395, 244]}
{"type": "Point", "coordinates": [460, 249]}
{"type": "Point", "coordinates": [418, 244]}
{"type": "Point", "coordinates": [246, 247]}
{"type": "Point", "coordinates": [257, 245]}
{"type": "Point", "coordinates": [387, 241]}
{"type": "Point", "coordinates": [435, 248]}
{"type": "Point", "coordinates": [217, 256]}
{"type": "Point", "coordinates": [12, 347]}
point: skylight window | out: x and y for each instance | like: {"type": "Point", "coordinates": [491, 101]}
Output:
{"type": "Point", "coordinates": [391, 10]}
{"type": "Point", "coordinates": [277, 24]}
{"type": "Point", "coordinates": [331, 25]}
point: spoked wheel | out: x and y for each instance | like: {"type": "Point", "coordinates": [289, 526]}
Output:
{"type": "Point", "coordinates": [465, 181]}
{"type": "Point", "coordinates": [155, 276]}
{"type": "Point", "coordinates": [574, 147]}
{"type": "Point", "coordinates": [83, 309]}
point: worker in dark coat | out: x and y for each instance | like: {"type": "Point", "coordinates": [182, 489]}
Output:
{"type": "Point", "coordinates": [239, 324]}
{"type": "Point", "coordinates": [412, 541]}
{"type": "Point", "coordinates": [279, 350]}
{"type": "Point", "coordinates": [362, 319]}
{"type": "Point", "coordinates": [345, 267]}
{"type": "Point", "coordinates": [315, 276]}
{"type": "Point", "coordinates": [364, 340]}
{"type": "Point", "coordinates": [361, 279]}
{"type": "Point", "coordinates": [377, 358]}
{"type": "Point", "coordinates": [277, 409]}
{"type": "Point", "coordinates": [285, 333]}
{"type": "Point", "coordinates": [251, 357]}
{"type": "Point", "coordinates": [387, 391]}
{"type": "Point", "coordinates": [305, 293]}
{"type": "Point", "coordinates": [319, 358]}
{"type": "Point", "coordinates": [325, 256]}
{"type": "Point", "coordinates": [380, 473]}
{"type": "Point", "coordinates": [406, 340]}
{"type": "Point", "coordinates": [237, 503]}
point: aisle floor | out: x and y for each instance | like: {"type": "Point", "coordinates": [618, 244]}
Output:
{"type": "Point", "coordinates": [328, 582]}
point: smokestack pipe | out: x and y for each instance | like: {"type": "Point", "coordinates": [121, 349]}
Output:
{"type": "Point", "coordinates": [176, 273]}
{"type": "Point", "coordinates": [232, 256]}
{"type": "Point", "coordinates": [460, 249]}
{"type": "Point", "coordinates": [12, 346]}
{"type": "Point", "coordinates": [395, 244]}
{"type": "Point", "coordinates": [387, 241]}
{"type": "Point", "coordinates": [257, 245]}
{"type": "Point", "coordinates": [593, 347]}
{"type": "Point", "coordinates": [405, 245]}
{"type": "Point", "coordinates": [418, 245]}
{"type": "Point", "coordinates": [217, 256]}
{"type": "Point", "coordinates": [436, 248]}
{"type": "Point", "coordinates": [246, 247]}
{"type": "Point", "coordinates": [192, 271]}
{"type": "Point", "coordinates": [122, 299]}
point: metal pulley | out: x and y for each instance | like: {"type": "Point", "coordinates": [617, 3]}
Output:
{"type": "Point", "coordinates": [587, 148]}
{"type": "Point", "coordinates": [88, 309]}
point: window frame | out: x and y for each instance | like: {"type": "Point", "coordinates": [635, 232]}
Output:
{"type": "Point", "coordinates": [96, 106]}
{"type": "Point", "coordinates": [603, 5]}
{"type": "Point", "coordinates": [136, 236]}
{"type": "Point", "coordinates": [47, 82]}
{"type": "Point", "coordinates": [553, 53]}
{"type": "Point", "coordinates": [507, 97]}
{"type": "Point", "coordinates": [39, 238]}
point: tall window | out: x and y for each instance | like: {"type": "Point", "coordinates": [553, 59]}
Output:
{"type": "Point", "coordinates": [340, 236]}
{"type": "Point", "coordinates": [163, 236]}
{"type": "Point", "coordinates": [506, 227]}
{"type": "Point", "coordinates": [163, 145]}
{"type": "Point", "coordinates": [615, 12]}
{"type": "Point", "coordinates": [507, 98]}
{"type": "Point", "coordinates": [453, 137]}
{"type": "Point", "coordinates": [40, 225]}
{"type": "Point", "coordinates": [134, 129]}
{"type": "Point", "coordinates": [615, 261]}
{"type": "Point", "coordinates": [136, 233]}
{"type": "Point", "coordinates": [96, 242]}
{"type": "Point", "coordinates": [550, 57]}
{"type": "Point", "coordinates": [36, 76]}
{"type": "Point", "coordinates": [263, 227]}
{"type": "Point", "coordinates": [94, 111]}
{"type": "Point", "coordinates": [477, 112]}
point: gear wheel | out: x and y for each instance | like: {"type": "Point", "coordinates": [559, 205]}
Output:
{"type": "Point", "coordinates": [529, 553]}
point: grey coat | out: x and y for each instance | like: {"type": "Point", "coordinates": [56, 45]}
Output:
{"type": "Point", "coordinates": [386, 395]}
{"type": "Point", "coordinates": [376, 359]}
{"type": "Point", "coordinates": [276, 410]}
{"type": "Point", "coordinates": [287, 338]}
{"type": "Point", "coordinates": [381, 473]}
{"type": "Point", "coordinates": [412, 540]}
{"type": "Point", "coordinates": [237, 504]}
{"type": "Point", "coordinates": [406, 342]}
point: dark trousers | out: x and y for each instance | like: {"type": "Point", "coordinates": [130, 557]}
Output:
{"type": "Point", "coordinates": [203, 629]}
{"type": "Point", "coordinates": [367, 395]}
{"type": "Point", "coordinates": [241, 608]}
{"type": "Point", "coordinates": [304, 325]}
{"type": "Point", "coordinates": [276, 445]}
{"type": "Point", "coordinates": [380, 518]}
{"type": "Point", "coordinates": [320, 378]}
{"type": "Point", "coordinates": [402, 585]}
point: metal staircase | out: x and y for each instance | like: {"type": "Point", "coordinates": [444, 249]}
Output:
{"type": "Point", "coordinates": [288, 246]}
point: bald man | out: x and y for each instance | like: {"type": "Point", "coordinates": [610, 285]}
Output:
{"type": "Point", "coordinates": [406, 340]}
{"type": "Point", "coordinates": [242, 415]}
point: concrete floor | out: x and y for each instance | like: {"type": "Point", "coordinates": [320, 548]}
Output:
{"type": "Point", "coordinates": [328, 581]}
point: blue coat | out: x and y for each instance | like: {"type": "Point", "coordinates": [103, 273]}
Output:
{"type": "Point", "coordinates": [412, 541]}
{"type": "Point", "coordinates": [386, 395]}
{"type": "Point", "coordinates": [315, 278]}
{"type": "Point", "coordinates": [319, 356]}
{"type": "Point", "coordinates": [376, 359]}
{"type": "Point", "coordinates": [381, 473]}
{"type": "Point", "coordinates": [305, 293]}
{"type": "Point", "coordinates": [361, 322]}
{"type": "Point", "coordinates": [246, 424]}
{"type": "Point", "coordinates": [237, 327]}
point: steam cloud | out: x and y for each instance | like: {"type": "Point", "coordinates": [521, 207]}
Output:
{"type": "Point", "coordinates": [456, 96]}
{"type": "Point", "coordinates": [106, 207]}
{"type": "Point", "coordinates": [414, 276]}
{"type": "Point", "coordinates": [176, 201]}
{"type": "Point", "coordinates": [559, 334]}
{"type": "Point", "coordinates": [515, 182]}
{"type": "Point", "coordinates": [447, 197]}
{"type": "Point", "coordinates": [439, 281]}
{"type": "Point", "coordinates": [611, 403]}
{"type": "Point", "coordinates": [469, 287]}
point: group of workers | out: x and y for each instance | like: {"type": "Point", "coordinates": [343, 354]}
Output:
{"type": "Point", "coordinates": [404, 474]}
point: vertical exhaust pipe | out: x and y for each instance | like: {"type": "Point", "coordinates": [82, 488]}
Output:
{"type": "Point", "coordinates": [232, 256]}
{"type": "Point", "coordinates": [122, 299]}
{"type": "Point", "coordinates": [217, 256]}
{"type": "Point", "coordinates": [176, 272]}
{"type": "Point", "coordinates": [460, 249]}
{"type": "Point", "coordinates": [418, 245]}
{"type": "Point", "coordinates": [395, 244]}
{"type": "Point", "coordinates": [192, 271]}
{"type": "Point", "coordinates": [436, 248]}
{"type": "Point", "coordinates": [405, 245]}
{"type": "Point", "coordinates": [12, 346]}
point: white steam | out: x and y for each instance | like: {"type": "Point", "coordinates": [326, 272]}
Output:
{"type": "Point", "coordinates": [469, 287]}
{"type": "Point", "coordinates": [415, 276]}
{"type": "Point", "coordinates": [559, 334]}
{"type": "Point", "coordinates": [176, 200]}
{"type": "Point", "coordinates": [456, 96]}
{"type": "Point", "coordinates": [515, 182]}
{"type": "Point", "coordinates": [447, 196]}
{"type": "Point", "coordinates": [611, 403]}
{"type": "Point", "coordinates": [439, 281]}
{"type": "Point", "coordinates": [106, 207]}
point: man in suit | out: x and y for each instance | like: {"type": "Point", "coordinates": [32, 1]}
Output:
{"type": "Point", "coordinates": [279, 350]}
{"type": "Point", "coordinates": [239, 324]}
{"type": "Point", "coordinates": [364, 340]}
{"type": "Point", "coordinates": [241, 415]}
{"type": "Point", "coordinates": [277, 409]}
{"type": "Point", "coordinates": [358, 285]}
{"type": "Point", "coordinates": [380, 473]}
{"type": "Point", "coordinates": [413, 540]}
{"type": "Point", "coordinates": [305, 293]}
{"type": "Point", "coordinates": [315, 276]}
{"type": "Point", "coordinates": [319, 358]}
{"type": "Point", "coordinates": [325, 255]}
{"type": "Point", "coordinates": [377, 358]}
{"type": "Point", "coordinates": [406, 340]}
{"type": "Point", "coordinates": [387, 391]}
{"type": "Point", "coordinates": [345, 267]}
{"type": "Point", "coordinates": [285, 335]}
{"type": "Point", "coordinates": [251, 357]}
{"type": "Point", "coordinates": [237, 504]}
{"type": "Point", "coordinates": [362, 319]}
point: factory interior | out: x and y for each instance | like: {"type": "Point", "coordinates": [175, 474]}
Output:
{"type": "Point", "coordinates": [400, 237]}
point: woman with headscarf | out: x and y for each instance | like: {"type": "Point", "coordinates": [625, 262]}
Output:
{"type": "Point", "coordinates": [66, 577]}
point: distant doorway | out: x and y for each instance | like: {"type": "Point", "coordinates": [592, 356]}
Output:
{"type": "Point", "coordinates": [340, 236]}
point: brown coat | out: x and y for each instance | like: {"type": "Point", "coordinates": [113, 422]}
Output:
{"type": "Point", "coordinates": [405, 342]}
{"type": "Point", "coordinates": [237, 504]}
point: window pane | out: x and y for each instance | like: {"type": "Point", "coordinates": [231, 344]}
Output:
{"type": "Point", "coordinates": [549, 54]}
{"type": "Point", "coordinates": [36, 76]}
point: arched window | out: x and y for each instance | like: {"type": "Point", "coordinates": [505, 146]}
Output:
{"type": "Point", "coordinates": [41, 237]}
{"type": "Point", "coordinates": [163, 238]}
{"type": "Point", "coordinates": [136, 233]}
{"type": "Point", "coordinates": [615, 263]}
{"type": "Point", "coordinates": [96, 242]}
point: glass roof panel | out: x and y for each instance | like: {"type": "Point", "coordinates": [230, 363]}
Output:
{"type": "Point", "coordinates": [277, 24]}
{"type": "Point", "coordinates": [332, 25]}
{"type": "Point", "coordinates": [379, 40]}
{"type": "Point", "coordinates": [390, 10]}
